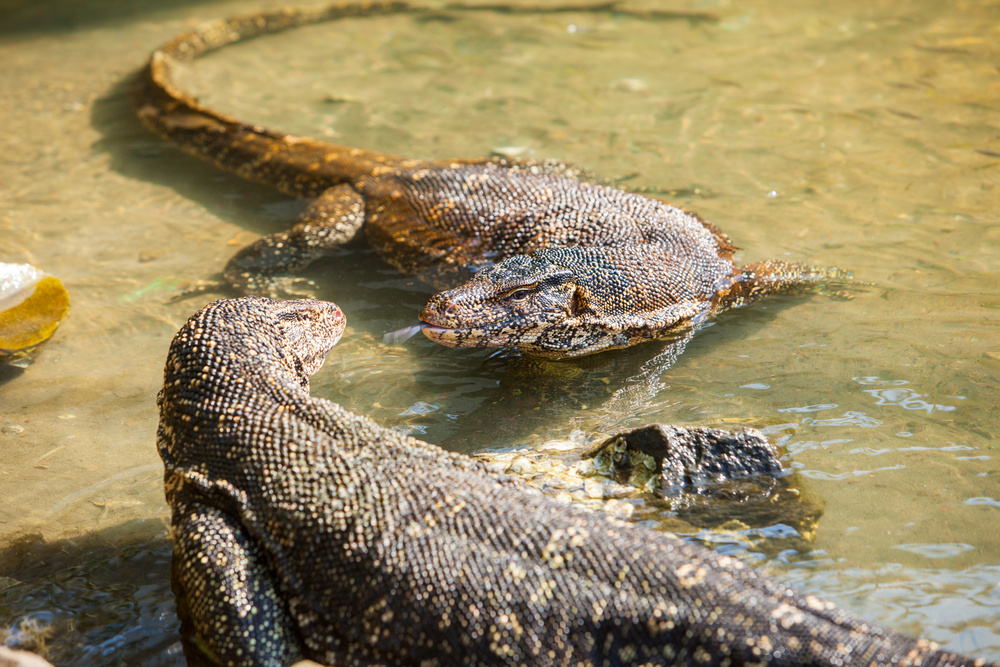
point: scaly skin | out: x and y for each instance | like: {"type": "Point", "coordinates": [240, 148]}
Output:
{"type": "Point", "coordinates": [303, 530]}
{"type": "Point", "coordinates": [569, 302]}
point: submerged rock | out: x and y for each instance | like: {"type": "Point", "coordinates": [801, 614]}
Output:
{"type": "Point", "coordinates": [719, 485]}
{"type": "Point", "coordinates": [32, 305]}
{"type": "Point", "coordinates": [710, 477]}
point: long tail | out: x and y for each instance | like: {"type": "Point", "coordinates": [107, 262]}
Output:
{"type": "Point", "coordinates": [306, 166]}
{"type": "Point", "coordinates": [759, 279]}
{"type": "Point", "coordinates": [230, 143]}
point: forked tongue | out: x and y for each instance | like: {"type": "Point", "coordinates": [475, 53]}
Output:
{"type": "Point", "coordinates": [400, 336]}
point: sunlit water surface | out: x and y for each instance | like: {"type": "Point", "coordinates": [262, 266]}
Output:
{"type": "Point", "coordinates": [864, 135]}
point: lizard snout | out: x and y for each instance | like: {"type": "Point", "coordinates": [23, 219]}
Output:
{"type": "Point", "coordinates": [439, 311]}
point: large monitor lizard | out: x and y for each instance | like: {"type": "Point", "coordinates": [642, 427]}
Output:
{"type": "Point", "coordinates": [303, 530]}
{"type": "Point", "coordinates": [441, 219]}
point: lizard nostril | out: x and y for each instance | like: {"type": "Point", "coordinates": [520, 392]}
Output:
{"type": "Point", "coordinates": [451, 310]}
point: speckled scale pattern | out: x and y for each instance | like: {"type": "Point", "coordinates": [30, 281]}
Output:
{"type": "Point", "coordinates": [504, 212]}
{"type": "Point", "coordinates": [303, 530]}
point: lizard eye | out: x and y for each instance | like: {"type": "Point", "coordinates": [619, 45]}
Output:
{"type": "Point", "coordinates": [519, 296]}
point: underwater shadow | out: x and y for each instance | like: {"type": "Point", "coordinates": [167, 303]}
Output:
{"type": "Point", "coordinates": [605, 392]}
{"type": "Point", "coordinates": [102, 598]}
{"type": "Point", "coordinates": [136, 153]}
{"type": "Point", "coordinates": [9, 372]}
{"type": "Point", "coordinates": [60, 16]}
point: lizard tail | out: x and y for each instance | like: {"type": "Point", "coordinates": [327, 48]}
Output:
{"type": "Point", "coordinates": [291, 164]}
{"type": "Point", "coordinates": [216, 137]}
{"type": "Point", "coordinates": [759, 279]}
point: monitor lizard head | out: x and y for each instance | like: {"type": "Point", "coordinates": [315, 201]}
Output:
{"type": "Point", "coordinates": [556, 303]}
{"type": "Point", "coordinates": [311, 328]}
{"type": "Point", "coordinates": [289, 338]}
{"type": "Point", "coordinates": [507, 304]}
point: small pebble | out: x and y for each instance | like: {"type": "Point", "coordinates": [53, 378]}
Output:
{"type": "Point", "coordinates": [520, 466]}
{"type": "Point", "coordinates": [630, 85]}
{"type": "Point", "coordinates": [594, 488]}
{"type": "Point", "coordinates": [618, 508]}
{"type": "Point", "coordinates": [509, 151]}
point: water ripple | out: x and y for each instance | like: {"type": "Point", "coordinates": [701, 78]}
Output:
{"type": "Point", "coordinates": [810, 408]}
{"type": "Point", "coordinates": [852, 418]}
{"type": "Point", "coordinates": [420, 408]}
{"type": "Point", "coordinates": [836, 477]}
{"type": "Point", "coordinates": [936, 550]}
{"type": "Point", "coordinates": [906, 399]}
{"type": "Point", "coordinates": [990, 502]}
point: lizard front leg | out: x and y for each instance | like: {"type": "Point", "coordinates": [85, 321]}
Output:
{"type": "Point", "coordinates": [231, 614]}
{"type": "Point", "coordinates": [332, 219]}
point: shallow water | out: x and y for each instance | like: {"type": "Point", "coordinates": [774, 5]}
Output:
{"type": "Point", "coordinates": [864, 135]}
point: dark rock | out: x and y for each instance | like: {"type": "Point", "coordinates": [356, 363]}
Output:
{"type": "Point", "coordinates": [710, 477]}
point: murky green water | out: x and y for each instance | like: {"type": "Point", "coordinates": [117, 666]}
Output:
{"type": "Point", "coordinates": [864, 135]}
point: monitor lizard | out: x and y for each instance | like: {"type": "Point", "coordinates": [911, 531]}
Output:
{"type": "Point", "coordinates": [305, 531]}
{"type": "Point", "coordinates": [440, 219]}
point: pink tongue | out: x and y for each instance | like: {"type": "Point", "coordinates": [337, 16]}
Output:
{"type": "Point", "coordinates": [400, 336]}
